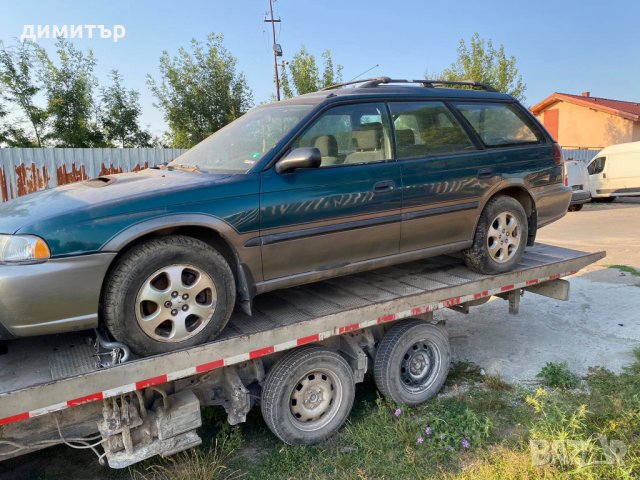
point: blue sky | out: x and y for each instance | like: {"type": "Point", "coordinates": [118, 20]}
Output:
{"type": "Point", "coordinates": [562, 45]}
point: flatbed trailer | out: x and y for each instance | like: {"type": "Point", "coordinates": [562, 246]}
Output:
{"type": "Point", "coordinates": [300, 353]}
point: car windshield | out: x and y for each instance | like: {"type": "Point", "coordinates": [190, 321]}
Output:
{"type": "Point", "coordinates": [241, 144]}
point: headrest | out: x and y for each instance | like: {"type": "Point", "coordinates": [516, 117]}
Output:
{"type": "Point", "coordinates": [327, 144]}
{"type": "Point", "coordinates": [369, 137]}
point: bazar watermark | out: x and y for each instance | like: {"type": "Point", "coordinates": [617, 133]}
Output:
{"type": "Point", "coordinates": [577, 453]}
{"type": "Point", "coordinates": [35, 32]}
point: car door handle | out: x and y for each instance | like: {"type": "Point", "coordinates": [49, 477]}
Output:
{"type": "Point", "coordinates": [384, 186]}
{"type": "Point", "coordinates": [486, 173]}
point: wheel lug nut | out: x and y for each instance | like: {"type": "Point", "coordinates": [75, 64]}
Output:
{"type": "Point", "coordinates": [174, 312]}
{"type": "Point", "coordinates": [185, 308]}
{"type": "Point", "coordinates": [185, 296]}
{"type": "Point", "coordinates": [174, 294]}
{"type": "Point", "coordinates": [167, 304]}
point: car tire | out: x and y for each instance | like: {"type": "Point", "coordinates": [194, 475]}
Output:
{"type": "Point", "coordinates": [168, 293]}
{"type": "Point", "coordinates": [575, 208]}
{"type": "Point", "coordinates": [495, 249]}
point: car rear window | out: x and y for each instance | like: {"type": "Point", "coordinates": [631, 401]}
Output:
{"type": "Point", "coordinates": [499, 124]}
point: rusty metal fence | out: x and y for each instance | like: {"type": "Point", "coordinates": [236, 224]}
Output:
{"type": "Point", "coordinates": [26, 170]}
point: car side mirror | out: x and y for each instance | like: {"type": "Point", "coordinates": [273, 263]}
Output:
{"type": "Point", "coordinates": [303, 157]}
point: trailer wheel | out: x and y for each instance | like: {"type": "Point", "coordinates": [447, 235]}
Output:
{"type": "Point", "coordinates": [308, 395]}
{"type": "Point", "coordinates": [575, 207]}
{"type": "Point", "coordinates": [412, 362]}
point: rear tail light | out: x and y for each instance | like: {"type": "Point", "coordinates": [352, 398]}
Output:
{"type": "Point", "coordinates": [557, 154]}
{"type": "Point", "coordinates": [566, 179]}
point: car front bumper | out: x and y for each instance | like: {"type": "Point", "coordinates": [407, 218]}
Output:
{"type": "Point", "coordinates": [59, 295]}
{"type": "Point", "coordinates": [580, 196]}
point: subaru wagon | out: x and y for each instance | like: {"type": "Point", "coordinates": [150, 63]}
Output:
{"type": "Point", "coordinates": [346, 179]}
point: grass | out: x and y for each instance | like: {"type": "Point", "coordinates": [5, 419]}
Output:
{"type": "Point", "coordinates": [626, 269]}
{"type": "Point", "coordinates": [558, 375]}
{"type": "Point", "coordinates": [484, 430]}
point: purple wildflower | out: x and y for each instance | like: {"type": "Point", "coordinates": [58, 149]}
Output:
{"type": "Point", "coordinates": [465, 443]}
{"type": "Point", "coordinates": [398, 412]}
{"type": "Point", "coordinates": [420, 440]}
{"type": "Point", "coordinates": [427, 430]}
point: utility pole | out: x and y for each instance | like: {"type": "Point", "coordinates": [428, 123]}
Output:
{"type": "Point", "coordinates": [277, 49]}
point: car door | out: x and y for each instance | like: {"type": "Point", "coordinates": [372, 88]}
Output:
{"type": "Point", "coordinates": [343, 212]}
{"type": "Point", "coordinates": [443, 175]}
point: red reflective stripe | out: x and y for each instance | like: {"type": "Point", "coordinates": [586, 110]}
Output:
{"type": "Point", "coordinates": [206, 367]}
{"type": "Point", "coordinates": [532, 282]}
{"type": "Point", "coordinates": [14, 418]}
{"type": "Point", "coordinates": [86, 399]}
{"type": "Point", "coordinates": [554, 277]}
{"type": "Point", "coordinates": [388, 318]}
{"type": "Point", "coordinates": [349, 328]}
{"type": "Point", "coordinates": [261, 352]}
{"type": "Point", "coordinates": [484, 293]}
{"type": "Point", "coordinates": [309, 339]}
{"type": "Point", "coordinates": [150, 382]}
{"type": "Point", "coordinates": [507, 288]}
{"type": "Point", "coordinates": [451, 301]}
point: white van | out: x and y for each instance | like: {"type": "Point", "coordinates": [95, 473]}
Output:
{"type": "Point", "coordinates": [615, 171]}
{"type": "Point", "coordinates": [577, 178]}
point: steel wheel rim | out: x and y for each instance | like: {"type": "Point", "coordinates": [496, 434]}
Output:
{"type": "Point", "coordinates": [315, 400]}
{"type": "Point", "coordinates": [420, 366]}
{"type": "Point", "coordinates": [503, 237]}
{"type": "Point", "coordinates": [175, 303]}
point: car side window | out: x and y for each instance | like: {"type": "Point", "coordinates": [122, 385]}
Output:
{"type": "Point", "coordinates": [350, 134]}
{"type": "Point", "coordinates": [499, 124]}
{"type": "Point", "coordinates": [427, 128]}
{"type": "Point", "coordinates": [596, 166]}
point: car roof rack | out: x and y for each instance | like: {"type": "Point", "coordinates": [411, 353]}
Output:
{"type": "Point", "coordinates": [374, 82]}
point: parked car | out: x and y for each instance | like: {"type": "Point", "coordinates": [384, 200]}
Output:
{"type": "Point", "coordinates": [577, 178]}
{"type": "Point", "coordinates": [326, 184]}
{"type": "Point", "coordinates": [615, 171]}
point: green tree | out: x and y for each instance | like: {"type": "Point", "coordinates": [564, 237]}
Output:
{"type": "Point", "coordinates": [480, 61]}
{"type": "Point", "coordinates": [69, 89]}
{"type": "Point", "coordinates": [305, 74]}
{"type": "Point", "coordinates": [18, 79]}
{"type": "Point", "coordinates": [200, 91]}
{"type": "Point", "coordinates": [120, 113]}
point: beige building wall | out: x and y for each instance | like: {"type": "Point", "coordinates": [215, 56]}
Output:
{"type": "Point", "coordinates": [583, 127]}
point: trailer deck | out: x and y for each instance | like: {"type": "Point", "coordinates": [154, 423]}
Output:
{"type": "Point", "coordinates": [47, 374]}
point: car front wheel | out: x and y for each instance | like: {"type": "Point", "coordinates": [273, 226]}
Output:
{"type": "Point", "coordinates": [168, 293]}
{"type": "Point", "coordinates": [500, 237]}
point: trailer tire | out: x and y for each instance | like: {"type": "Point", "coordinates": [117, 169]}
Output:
{"type": "Point", "coordinates": [412, 344]}
{"type": "Point", "coordinates": [575, 207]}
{"type": "Point", "coordinates": [308, 395]}
{"type": "Point", "coordinates": [495, 249]}
{"type": "Point", "coordinates": [193, 315]}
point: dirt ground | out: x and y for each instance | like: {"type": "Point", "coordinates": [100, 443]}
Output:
{"type": "Point", "coordinates": [598, 326]}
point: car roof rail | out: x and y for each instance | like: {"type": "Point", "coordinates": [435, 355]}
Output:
{"type": "Point", "coordinates": [374, 82]}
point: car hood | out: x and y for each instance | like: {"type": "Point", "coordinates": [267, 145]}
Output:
{"type": "Point", "coordinates": [110, 195]}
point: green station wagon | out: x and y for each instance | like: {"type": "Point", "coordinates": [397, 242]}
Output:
{"type": "Point", "coordinates": [346, 179]}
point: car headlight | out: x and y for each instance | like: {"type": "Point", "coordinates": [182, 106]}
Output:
{"type": "Point", "coordinates": [23, 248]}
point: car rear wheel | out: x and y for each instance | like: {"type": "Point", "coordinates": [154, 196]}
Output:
{"type": "Point", "coordinates": [168, 293]}
{"type": "Point", "coordinates": [500, 237]}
